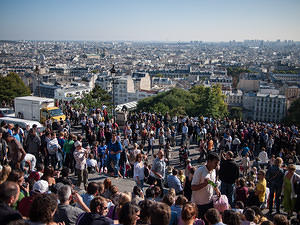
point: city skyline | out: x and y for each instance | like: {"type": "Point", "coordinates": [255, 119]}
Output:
{"type": "Point", "coordinates": [168, 20]}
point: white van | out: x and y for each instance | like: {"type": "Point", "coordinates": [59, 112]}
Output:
{"type": "Point", "coordinates": [22, 123]}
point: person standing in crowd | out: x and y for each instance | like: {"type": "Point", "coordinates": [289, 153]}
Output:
{"type": "Point", "coordinates": [68, 151]}
{"type": "Point", "coordinates": [16, 153]}
{"type": "Point", "coordinates": [261, 186]}
{"type": "Point", "coordinates": [3, 149]}
{"type": "Point", "coordinates": [203, 184]}
{"type": "Point", "coordinates": [263, 158]}
{"type": "Point", "coordinates": [157, 173]}
{"type": "Point", "coordinates": [80, 156]}
{"type": "Point", "coordinates": [115, 149]}
{"type": "Point", "coordinates": [228, 174]}
{"type": "Point", "coordinates": [289, 199]}
{"type": "Point", "coordinates": [184, 134]}
{"type": "Point", "coordinates": [53, 147]}
{"type": "Point", "coordinates": [138, 172]}
{"type": "Point", "coordinates": [188, 184]}
{"type": "Point", "coordinates": [274, 177]}
{"type": "Point", "coordinates": [235, 145]}
{"type": "Point", "coordinates": [33, 144]}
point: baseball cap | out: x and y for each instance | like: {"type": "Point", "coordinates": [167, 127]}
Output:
{"type": "Point", "coordinates": [41, 186]}
{"type": "Point", "coordinates": [77, 143]}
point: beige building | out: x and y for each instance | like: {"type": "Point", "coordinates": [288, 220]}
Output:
{"type": "Point", "coordinates": [142, 81]}
{"type": "Point", "coordinates": [290, 91]}
{"type": "Point", "coordinates": [248, 85]}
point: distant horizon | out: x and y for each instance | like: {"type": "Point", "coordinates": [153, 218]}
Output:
{"type": "Point", "coordinates": [152, 41]}
{"type": "Point", "coordinates": [153, 21]}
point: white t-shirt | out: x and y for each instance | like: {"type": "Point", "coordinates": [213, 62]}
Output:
{"type": "Point", "coordinates": [138, 171]}
{"type": "Point", "coordinates": [263, 157]}
{"type": "Point", "coordinates": [91, 162]}
{"type": "Point", "coordinates": [204, 195]}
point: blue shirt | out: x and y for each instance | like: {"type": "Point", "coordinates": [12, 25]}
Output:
{"type": "Point", "coordinates": [101, 150]}
{"type": "Point", "coordinates": [87, 199]}
{"type": "Point", "coordinates": [245, 151]}
{"type": "Point", "coordinates": [114, 147]}
{"type": "Point", "coordinates": [17, 136]}
{"type": "Point", "coordinates": [174, 182]}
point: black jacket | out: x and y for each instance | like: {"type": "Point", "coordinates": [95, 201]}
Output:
{"type": "Point", "coordinates": [8, 214]}
{"type": "Point", "coordinates": [93, 219]}
{"type": "Point", "coordinates": [229, 171]}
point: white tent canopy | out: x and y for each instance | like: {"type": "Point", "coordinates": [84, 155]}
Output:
{"type": "Point", "coordinates": [129, 105]}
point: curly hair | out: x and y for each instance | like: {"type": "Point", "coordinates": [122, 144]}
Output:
{"type": "Point", "coordinates": [42, 208]}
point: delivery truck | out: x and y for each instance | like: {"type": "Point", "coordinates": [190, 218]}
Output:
{"type": "Point", "coordinates": [37, 108]}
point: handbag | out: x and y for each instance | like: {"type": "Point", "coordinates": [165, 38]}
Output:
{"type": "Point", "coordinates": [221, 203]}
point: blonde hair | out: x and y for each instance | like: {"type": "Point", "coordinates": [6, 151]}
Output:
{"type": "Point", "coordinates": [278, 161]}
{"type": "Point", "coordinates": [4, 173]}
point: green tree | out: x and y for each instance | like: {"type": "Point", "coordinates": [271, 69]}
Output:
{"type": "Point", "coordinates": [159, 75]}
{"type": "Point", "coordinates": [12, 86]}
{"type": "Point", "coordinates": [195, 102]}
{"type": "Point", "coordinates": [236, 113]}
{"type": "Point", "coordinates": [96, 98]}
{"type": "Point", "coordinates": [293, 115]}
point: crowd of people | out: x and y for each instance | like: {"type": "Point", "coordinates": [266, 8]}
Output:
{"type": "Point", "coordinates": [237, 170]}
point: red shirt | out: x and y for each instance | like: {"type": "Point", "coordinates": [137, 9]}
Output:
{"type": "Point", "coordinates": [25, 205]}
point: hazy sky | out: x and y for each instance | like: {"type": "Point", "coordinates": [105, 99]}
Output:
{"type": "Point", "coordinates": [149, 20]}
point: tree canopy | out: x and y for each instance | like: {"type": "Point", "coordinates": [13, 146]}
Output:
{"type": "Point", "coordinates": [96, 98]}
{"type": "Point", "coordinates": [12, 86]}
{"type": "Point", "coordinates": [293, 115]}
{"type": "Point", "coordinates": [197, 101]}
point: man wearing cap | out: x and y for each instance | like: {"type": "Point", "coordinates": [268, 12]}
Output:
{"type": "Point", "coordinates": [203, 184]}
{"type": "Point", "coordinates": [80, 156]}
{"type": "Point", "coordinates": [39, 187]}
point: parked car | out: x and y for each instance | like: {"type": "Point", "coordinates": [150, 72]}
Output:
{"type": "Point", "coordinates": [7, 112]}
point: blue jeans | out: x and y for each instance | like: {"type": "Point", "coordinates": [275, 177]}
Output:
{"type": "Point", "coordinates": [115, 166]}
{"type": "Point", "coordinates": [227, 189]}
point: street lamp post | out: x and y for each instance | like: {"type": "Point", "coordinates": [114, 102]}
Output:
{"type": "Point", "coordinates": [113, 73]}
